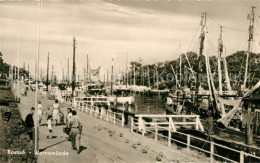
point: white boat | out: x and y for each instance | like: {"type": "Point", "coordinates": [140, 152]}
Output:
{"type": "Point", "coordinates": [122, 96]}
{"type": "Point", "coordinates": [159, 92]}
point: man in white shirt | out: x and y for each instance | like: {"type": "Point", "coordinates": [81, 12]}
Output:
{"type": "Point", "coordinates": [75, 130]}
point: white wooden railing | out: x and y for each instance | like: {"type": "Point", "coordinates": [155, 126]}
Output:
{"type": "Point", "coordinates": [100, 112]}
{"type": "Point", "coordinates": [170, 126]}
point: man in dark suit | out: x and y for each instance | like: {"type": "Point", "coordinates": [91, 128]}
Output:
{"type": "Point", "coordinates": [30, 123]}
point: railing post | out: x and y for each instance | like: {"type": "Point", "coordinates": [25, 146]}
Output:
{"type": "Point", "coordinates": [132, 124]}
{"type": "Point", "coordinates": [156, 132]}
{"type": "Point", "coordinates": [188, 143]}
{"type": "Point", "coordinates": [123, 120]}
{"type": "Point", "coordinates": [241, 157]}
{"type": "Point", "coordinates": [169, 136]}
{"type": "Point", "coordinates": [211, 152]}
{"type": "Point", "coordinates": [140, 123]}
{"type": "Point", "coordinates": [95, 110]}
{"type": "Point", "coordinates": [100, 113]}
{"type": "Point", "coordinates": [114, 117]}
{"type": "Point", "coordinates": [143, 132]}
{"type": "Point", "coordinates": [107, 115]}
{"type": "Point", "coordinates": [90, 110]}
{"type": "Point", "coordinates": [197, 123]}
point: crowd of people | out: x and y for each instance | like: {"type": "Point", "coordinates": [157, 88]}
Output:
{"type": "Point", "coordinates": [54, 116]}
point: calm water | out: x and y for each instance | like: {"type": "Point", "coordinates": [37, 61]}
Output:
{"type": "Point", "coordinates": [147, 105]}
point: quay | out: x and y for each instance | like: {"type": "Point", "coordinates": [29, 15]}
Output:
{"type": "Point", "coordinates": [96, 143]}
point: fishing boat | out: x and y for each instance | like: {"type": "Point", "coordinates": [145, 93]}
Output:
{"type": "Point", "coordinates": [233, 113]}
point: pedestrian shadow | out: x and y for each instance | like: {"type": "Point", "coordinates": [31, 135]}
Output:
{"type": "Point", "coordinates": [52, 145]}
{"type": "Point", "coordinates": [81, 148]}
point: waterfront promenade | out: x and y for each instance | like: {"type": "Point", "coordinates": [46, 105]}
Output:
{"type": "Point", "coordinates": [97, 145]}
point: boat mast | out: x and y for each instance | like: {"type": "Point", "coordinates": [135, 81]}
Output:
{"type": "Point", "coordinates": [28, 74]}
{"type": "Point", "coordinates": [52, 74]}
{"type": "Point", "coordinates": [84, 72]}
{"type": "Point", "coordinates": [156, 77]}
{"type": "Point", "coordinates": [60, 72]}
{"type": "Point", "coordinates": [107, 77]}
{"type": "Point", "coordinates": [73, 67]}
{"type": "Point", "coordinates": [202, 38]}
{"type": "Point", "coordinates": [68, 75]}
{"type": "Point", "coordinates": [112, 76]}
{"type": "Point", "coordinates": [18, 69]}
{"type": "Point", "coordinates": [126, 69]}
{"type": "Point", "coordinates": [47, 81]}
{"type": "Point", "coordinates": [180, 66]}
{"type": "Point", "coordinates": [220, 51]}
{"type": "Point", "coordinates": [14, 76]}
{"type": "Point", "coordinates": [149, 84]}
{"type": "Point", "coordinates": [87, 68]}
{"type": "Point", "coordinates": [250, 42]}
{"type": "Point", "coordinates": [134, 74]}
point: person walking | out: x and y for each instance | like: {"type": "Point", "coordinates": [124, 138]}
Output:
{"type": "Point", "coordinates": [29, 123]}
{"type": "Point", "coordinates": [75, 130]}
{"type": "Point", "coordinates": [49, 121]}
{"type": "Point", "coordinates": [39, 112]}
{"type": "Point", "coordinates": [56, 110]}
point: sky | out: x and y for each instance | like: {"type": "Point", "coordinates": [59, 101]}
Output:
{"type": "Point", "coordinates": [154, 30]}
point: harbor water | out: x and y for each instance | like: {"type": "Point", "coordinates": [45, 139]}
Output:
{"type": "Point", "coordinates": [146, 104]}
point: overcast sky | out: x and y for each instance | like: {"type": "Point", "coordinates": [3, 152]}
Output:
{"type": "Point", "coordinates": [151, 30]}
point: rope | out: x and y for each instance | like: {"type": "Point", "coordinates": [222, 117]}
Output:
{"type": "Point", "coordinates": [194, 36]}
{"type": "Point", "coordinates": [213, 20]}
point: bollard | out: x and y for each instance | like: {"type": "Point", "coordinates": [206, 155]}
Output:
{"type": "Point", "coordinates": [138, 143]}
{"type": "Point", "coordinates": [161, 154]}
{"type": "Point", "coordinates": [144, 150]}
{"type": "Point", "coordinates": [158, 158]}
{"type": "Point", "coordinates": [134, 145]}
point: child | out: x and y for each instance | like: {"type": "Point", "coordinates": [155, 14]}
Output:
{"type": "Point", "coordinates": [49, 121]}
{"type": "Point", "coordinates": [48, 112]}
{"type": "Point", "coordinates": [39, 112]}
